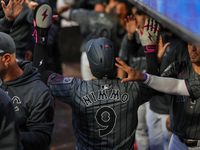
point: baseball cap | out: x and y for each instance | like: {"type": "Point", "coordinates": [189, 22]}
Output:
{"type": "Point", "coordinates": [7, 44]}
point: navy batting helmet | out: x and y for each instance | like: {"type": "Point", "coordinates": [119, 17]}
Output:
{"type": "Point", "coordinates": [101, 55]}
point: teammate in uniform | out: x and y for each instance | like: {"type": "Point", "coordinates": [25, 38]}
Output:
{"type": "Point", "coordinates": [131, 51]}
{"type": "Point", "coordinates": [104, 111]}
{"type": "Point", "coordinates": [94, 24]}
{"type": "Point", "coordinates": [184, 110]}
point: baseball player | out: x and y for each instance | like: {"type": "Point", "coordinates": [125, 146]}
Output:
{"type": "Point", "coordinates": [93, 24]}
{"type": "Point", "coordinates": [184, 110]}
{"type": "Point", "coordinates": [104, 111]}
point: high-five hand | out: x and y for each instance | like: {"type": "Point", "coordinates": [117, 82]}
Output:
{"type": "Point", "coordinates": [133, 75]}
{"type": "Point", "coordinates": [150, 35]}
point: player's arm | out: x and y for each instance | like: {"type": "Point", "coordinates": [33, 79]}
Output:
{"type": "Point", "coordinates": [12, 10]}
{"type": "Point", "coordinates": [149, 38]}
{"type": "Point", "coordinates": [161, 84]}
{"type": "Point", "coordinates": [63, 9]}
{"type": "Point", "coordinates": [40, 123]}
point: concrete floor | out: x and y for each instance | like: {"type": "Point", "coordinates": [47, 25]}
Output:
{"type": "Point", "coordinates": [63, 138]}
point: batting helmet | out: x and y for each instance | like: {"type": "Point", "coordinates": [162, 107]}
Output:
{"type": "Point", "coordinates": [101, 55]}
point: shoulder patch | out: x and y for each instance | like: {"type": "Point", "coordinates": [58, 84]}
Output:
{"type": "Point", "coordinates": [67, 80]}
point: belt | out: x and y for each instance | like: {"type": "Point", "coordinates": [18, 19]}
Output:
{"type": "Point", "coordinates": [189, 142]}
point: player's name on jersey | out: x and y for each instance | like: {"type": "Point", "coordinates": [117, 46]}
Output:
{"type": "Point", "coordinates": [101, 95]}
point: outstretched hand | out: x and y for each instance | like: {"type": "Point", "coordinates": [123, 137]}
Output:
{"type": "Point", "coordinates": [133, 75]}
{"type": "Point", "coordinates": [161, 49]}
{"type": "Point", "coordinates": [31, 5]}
{"type": "Point", "coordinates": [150, 34]}
{"type": "Point", "coordinates": [13, 9]}
{"type": "Point", "coordinates": [131, 24]}
{"type": "Point", "coordinates": [63, 9]}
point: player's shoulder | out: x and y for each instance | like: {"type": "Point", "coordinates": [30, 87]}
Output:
{"type": "Point", "coordinates": [5, 99]}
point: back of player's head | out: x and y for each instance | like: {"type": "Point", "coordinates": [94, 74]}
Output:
{"type": "Point", "coordinates": [101, 55]}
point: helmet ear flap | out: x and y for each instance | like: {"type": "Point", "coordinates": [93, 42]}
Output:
{"type": "Point", "coordinates": [101, 55]}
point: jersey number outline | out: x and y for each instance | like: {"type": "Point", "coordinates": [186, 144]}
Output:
{"type": "Point", "coordinates": [106, 117]}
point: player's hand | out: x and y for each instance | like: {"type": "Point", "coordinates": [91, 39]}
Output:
{"type": "Point", "coordinates": [133, 75]}
{"type": "Point", "coordinates": [161, 49]}
{"type": "Point", "coordinates": [150, 34]}
{"type": "Point", "coordinates": [13, 9]}
{"type": "Point", "coordinates": [31, 5]}
{"type": "Point", "coordinates": [28, 55]}
{"type": "Point", "coordinates": [63, 9]}
{"type": "Point", "coordinates": [167, 123]}
{"type": "Point", "coordinates": [131, 26]}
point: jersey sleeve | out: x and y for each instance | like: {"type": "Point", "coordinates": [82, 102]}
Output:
{"type": "Point", "coordinates": [62, 87]}
{"type": "Point", "coordinates": [193, 86]}
{"type": "Point", "coordinates": [171, 70]}
{"type": "Point", "coordinates": [145, 92]}
{"type": "Point", "coordinates": [167, 85]}
{"type": "Point", "coordinates": [40, 123]}
{"type": "Point", "coordinates": [5, 25]}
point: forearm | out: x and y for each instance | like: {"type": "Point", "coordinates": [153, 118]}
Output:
{"type": "Point", "coordinates": [63, 10]}
{"type": "Point", "coordinates": [167, 85]}
{"type": "Point", "coordinates": [39, 57]}
{"type": "Point", "coordinates": [35, 140]}
{"type": "Point", "coordinates": [152, 64]}
{"type": "Point", "coordinates": [5, 25]}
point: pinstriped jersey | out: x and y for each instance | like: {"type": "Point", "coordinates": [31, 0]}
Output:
{"type": "Point", "coordinates": [184, 113]}
{"type": "Point", "coordinates": [104, 112]}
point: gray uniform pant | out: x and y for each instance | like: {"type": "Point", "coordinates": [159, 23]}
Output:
{"type": "Point", "coordinates": [159, 136]}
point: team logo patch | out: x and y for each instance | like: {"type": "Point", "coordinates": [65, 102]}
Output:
{"type": "Point", "coordinates": [67, 80]}
{"type": "Point", "coordinates": [181, 74]}
{"type": "Point", "coordinates": [106, 86]}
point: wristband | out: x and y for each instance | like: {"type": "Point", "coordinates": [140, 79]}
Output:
{"type": "Point", "coordinates": [150, 48]}
{"type": "Point", "coordinates": [144, 77]}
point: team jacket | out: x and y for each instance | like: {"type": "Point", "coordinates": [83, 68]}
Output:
{"type": "Point", "coordinates": [34, 107]}
{"type": "Point", "coordinates": [5, 25]}
{"type": "Point", "coordinates": [185, 112]}
{"type": "Point", "coordinates": [104, 112]}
